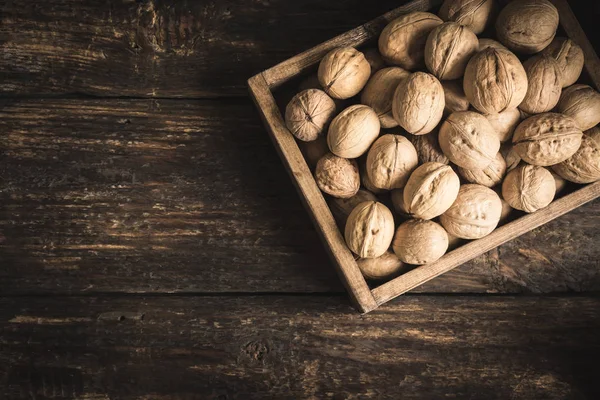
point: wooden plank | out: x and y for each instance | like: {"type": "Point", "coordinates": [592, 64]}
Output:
{"type": "Point", "coordinates": [299, 347]}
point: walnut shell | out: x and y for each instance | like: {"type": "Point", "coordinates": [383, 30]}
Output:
{"type": "Point", "coordinates": [468, 140]}
{"type": "Point", "coordinates": [495, 81]}
{"type": "Point", "coordinates": [379, 93]}
{"type": "Point", "coordinates": [383, 267]}
{"type": "Point", "coordinates": [490, 176]}
{"type": "Point", "coordinates": [485, 43]}
{"type": "Point", "coordinates": [505, 123]}
{"type": "Point", "coordinates": [337, 176]}
{"type": "Point", "coordinates": [454, 97]}
{"type": "Point", "coordinates": [390, 161]}
{"type": "Point", "coordinates": [474, 14]}
{"type": "Point", "coordinates": [343, 72]}
{"type": "Point", "coordinates": [353, 131]}
{"type": "Point", "coordinates": [309, 113]}
{"type": "Point", "coordinates": [511, 157]}
{"type": "Point", "coordinates": [569, 57]}
{"type": "Point", "coordinates": [402, 41]}
{"type": "Point", "coordinates": [420, 242]}
{"type": "Point", "coordinates": [528, 188]}
{"type": "Point", "coordinates": [369, 229]}
{"type": "Point", "coordinates": [448, 50]}
{"type": "Point", "coordinates": [341, 208]}
{"type": "Point", "coordinates": [582, 103]}
{"type": "Point", "coordinates": [418, 104]}
{"type": "Point", "coordinates": [428, 148]}
{"type": "Point", "coordinates": [366, 181]}
{"type": "Point", "coordinates": [313, 151]}
{"type": "Point", "coordinates": [559, 181]}
{"type": "Point", "coordinates": [527, 26]}
{"type": "Point", "coordinates": [431, 190]}
{"type": "Point", "coordinates": [397, 198]}
{"type": "Point", "coordinates": [547, 139]}
{"type": "Point", "coordinates": [584, 165]}
{"type": "Point", "coordinates": [475, 213]}
{"type": "Point", "coordinates": [374, 59]}
{"type": "Point", "coordinates": [544, 78]}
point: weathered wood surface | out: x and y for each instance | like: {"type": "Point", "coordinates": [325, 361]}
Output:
{"type": "Point", "coordinates": [417, 347]}
{"type": "Point", "coordinates": [169, 196]}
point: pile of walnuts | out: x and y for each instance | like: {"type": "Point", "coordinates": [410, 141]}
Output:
{"type": "Point", "coordinates": [451, 131]}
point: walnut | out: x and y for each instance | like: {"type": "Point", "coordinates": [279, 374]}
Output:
{"type": "Point", "coordinates": [544, 78]}
{"type": "Point", "coordinates": [341, 208]}
{"type": "Point", "coordinates": [353, 131]}
{"type": "Point", "coordinates": [490, 176]}
{"type": "Point", "coordinates": [313, 151]}
{"type": "Point", "coordinates": [468, 140]}
{"type": "Point", "coordinates": [505, 123]}
{"type": "Point", "coordinates": [547, 139]}
{"type": "Point", "coordinates": [397, 197]}
{"type": "Point", "coordinates": [582, 103]}
{"type": "Point", "coordinates": [420, 242]}
{"type": "Point", "coordinates": [527, 26]}
{"type": "Point", "coordinates": [418, 104]}
{"type": "Point", "coordinates": [369, 229]}
{"type": "Point", "coordinates": [474, 14]}
{"type": "Point", "coordinates": [448, 49]}
{"type": "Point", "coordinates": [402, 41]}
{"type": "Point", "coordinates": [379, 93]}
{"type": "Point", "coordinates": [485, 43]}
{"type": "Point", "coordinates": [510, 156]}
{"type": "Point", "coordinates": [559, 182]}
{"type": "Point", "coordinates": [337, 176]}
{"type": "Point", "coordinates": [431, 190]}
{"type": "Point", "coordinates": [428, 148]}
{"type": "Point", "coordinates": [374, 59]}
{"type": "Point", "coordinates": [584, 165]}
{"type": "Point", "coordinates": [308, 114]}
{"type": "Point", "coordinates": [343, 72]}
{"type": "Point", "coordinates": [570, 59]}
{"type": "Point", "coordinates": [454, 97]}
{"type": "Point", "coordinates": [390, 161]}
{"type": "Point", "coordinates": [495, 81]}
{"type": "Point", "coordinates": [383, 267]}
{"type": "Point", "coordinates": [474, 214]}
{"type": "Point", "coordinates": [528, 188]}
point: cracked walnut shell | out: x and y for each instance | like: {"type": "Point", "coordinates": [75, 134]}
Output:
{"type": "Point", "coordinates": [343, 72]}
{"type": "Point", "coordinates": [529, 188]}
{"type": "Point", "coordinates": [369, 229]}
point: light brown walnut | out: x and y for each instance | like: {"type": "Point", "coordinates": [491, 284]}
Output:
{"type": "Point", "coordinates": [569, 57]}
{"type": "Point", "coordinates": [454, 97]}
{"type": "Point", "coordinates": [337, 176]}
{"type": "Point", "coordinates": [390, 161]}
{"type": "Point", "coordinates": [490, 176]}
{"type": "Point", "coordinates": [343, 72]}
{"type": "Point", "coordinates": [369, 229]}
{"type": "Point", "coordinates": [341, 208]}
{"type": "Point", "coordinates": [420, 242]}
{"type": "Point", "coordinates": [582, 103]}
{"type": "Point", "coordinates": [584, 165]}
{"type": "Point", "coordinates": [474, 14]}
{"type": "Point", "coordinates": [309, 114]}
{"type": "Point", "coordinates": [505, 123]}
{"type": "Point", "coordinates": [384, 267]}
{"type": "Point", "coordinates": [544, 86]}
{"type": "Point", "coordinates": [353, 131]}
{"type": "Point", "coordinates": [528, 188]}
{"type": "Point", "coordinates": [428, 147]}
{"type": "Point", "coordinates": [448, 50]}
{"type": "Point", "coordinates": [379, 93]}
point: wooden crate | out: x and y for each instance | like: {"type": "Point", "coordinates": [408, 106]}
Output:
{"type": "Point", "coordinates": [261, 89]}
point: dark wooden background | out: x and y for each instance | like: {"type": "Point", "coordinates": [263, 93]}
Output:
{"type": "Point", "coordinates": [153, 247]}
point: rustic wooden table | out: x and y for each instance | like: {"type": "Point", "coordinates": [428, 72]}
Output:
{"type": "Point", "coordinates": [152, 246]}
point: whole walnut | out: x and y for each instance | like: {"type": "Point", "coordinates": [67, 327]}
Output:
{"type": "Point", "coordinates": [369, 229]}
{"type": "Point", "coordinates": [495, 81]}
{"type": "Point", "coordinates": [343, 72]}
{"type": "Point", "coordinates": [468, 140]}
{"type": "Point", "coordinates": [313, 151]}
{"type": "Point", "coordinates": [582, 103]}
{"type": "Point", "coordinates": [454, 97]}
{"type": "Point", "coordinates": [420, 242]}
{"type": "Point", "coordinates": [374, 59]}
{"type": "Point", "coordinates": [527, 26]}
{"type": "Point", "coordinates": [390, 162]}
{"type": "Point", "coordinates": [353, 131]}
{"type": "Point", "coordinates": [418, 104]}
{"type": "Point", "coordinates": [569, 57]}
{"type": "Point", "coordinates": [308, 114]}
{"type": "Point", "coordinates": [341, 208]}
{"type": "Point", "coordinates": [475, 213]}
{"type": "Point", "coordinates": [379, 93]}
{"type": "Point", "coordinates": [511, 157]}
{"type": "Point", "coordinates": [448, 49]}
{"type": "Point", "coordinates": [366, 181]}
{"type": "Point", "coordinates": [559, 181]}
{"type": "Point", "coordinates": [402, 41]}
{"type": "Point", "coordinates": [431, 190]}
{"type": "Point", "coordinates": [474, 14]}
{"type": "Point", "coordinates": [505, 123]}
{"type": "Point", "coordinates": [337, 176]}
{"type": "Point", "coordinates": [544, 78]}
{"type": "Point", "coordinates": [485, 43]}
{"type": "Point", "coordinates": [547, 139]}
{"type": "Point", "coordinates": [428, 148]}
{"type": "Point", "coordinates": [490, 176]}
{"type": "Point", "coordinates": [383, 267]}
{"type": "Point", "coordinates": [397, 198]}
{"type": "Point", "coordinates": [584, 165]}
{"type": "Point", "coordinates": [528, 188]}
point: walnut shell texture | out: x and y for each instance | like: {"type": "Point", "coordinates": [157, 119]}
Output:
{"type": "Point", "coordinates": [341, 208]}
{"type": "Point", "coordinates": [448, 50]}
{"type": "Point", "coordinates": [544, 84]}
{"type": "Point", "coordinates": [490, 176]}
{"type": "Point", "coordinates": [402, 41]}
{"type": "Point", "coordinates": [337, 176]}
{"type": "Point", "coordinates": [343, 72]}
{"type": "Point", "coordinates": [420, 242]}
{"type": "Point", "coordinates": [454, 97]}
{"type": "Point", "coordinates": [528, 188]}
{"type": "Point", "coordinates": [309, 113]}
{"type": "Point", "coordinates": [428, 148]}
{"type": "Point", "coordinates": [390, 161]}
{"type": "Point", "coordinates": [374, 59]}
{"type": "Point", "coordinates": [383, 267]}
{"type": "Point", "coordinates": [511, 157]}
{"type": "Point", "coordinates": [474, 14]}
{"type": "Point", "coordinates": [569, 57]}
{"type": "Point", "coordinates": [431, 190]}
{"type": "Point", "coordinates": [475, 213]}
{"type": "Point", "coordinates": [397, 198]}
{"type": "Point", "coordinates": [505, 123]}
{"type": "Point", "coordinates": [584, 165]}
{"type": "Point", "coordinates": [527, 26]}
{"type": "Point", "coordinates": [418, 104]}
{"type": "Point", "coordinates": [547, 139]}
{"type": "Point", "coordinates": [582, 103]}
{"type": "Point", "coordinates": [353, 131]}
{"type": "Point", "coordinates": [369, 229]}
{"type": "Point", "coordinates": [379, 93]}
{"type": "Point", "coordinates": [468, 140]}
{"type": "Point", "coordinates": [314, 151]}
{"type": "Point", "coordinates": [485, 43]}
